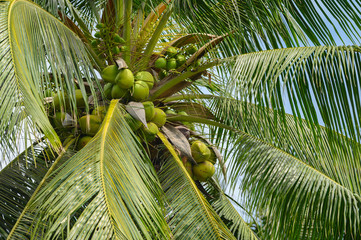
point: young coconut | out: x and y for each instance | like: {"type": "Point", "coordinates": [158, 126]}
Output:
{"type": "Point", "coordinates": [125, 78]}
{"type": "Point", "coordinates": [161, 63]}
{"type": "Point", "coordinates": [133, 123]}
{"type": "Point", "coordinates": [159, 117]}
{"type": "Point", "coordinates": [80, 103]}
{"type": "Point", "coordinates": [100, 111]}
{"type": "Point", "coordinates": [83, 141]}
{"type": "Point", "coordinates": [203, 171]}
{"type": "Point", "coordinates": [146, 77]}
{"type": "Point", "coordinates": [108, 90]}
{"type": "Point", "coordinates": [110, 73]}
{"type": "Point", "coordinates": [172, 51]}
{"type": "Point", "coordinates": [90, 128]}
{"type": "Point", "coordinates": [171, 64]}
{"type": "Point", "coordinates": [60, 99]}
{"type": "Point", "coordinates": [140, 91]}
{"type": "Point", "coordinates": [170, 112]}
{"type": "Point", "coordinates": [118, 92]}
{"type": "Point", "coordinates": [200, 151]}
{"type": "Point", "coordinates": [181, 59]}
{"type": "Point", "coordinates": [151, 131]}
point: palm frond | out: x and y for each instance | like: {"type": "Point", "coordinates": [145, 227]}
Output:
{"type": "Point", "coordinates": [190, 216]}
{"type": "Point", "coordinates": [84, 13]}
{"type": "Point", "coordinates": [18, 181]}
{"type": "Point", "coordinates": [110, 184]}
{"type": "Point", "coordinates": [339, 160]}
{"type": "Point", "coordinates": [302, 202]}
{"type": "Point", "coordinates": [258, 25]}
{"type": "Point", "coordinates": [237, 225]}
{"type": "Point", "coordinates": [321, 85]}
{"type": "Point", "coordinates": [293, 169]}
{"type": "Point", "coordinates": [35, 43]}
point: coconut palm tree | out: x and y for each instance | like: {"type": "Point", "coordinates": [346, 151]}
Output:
{"type": "Point", "coordinates": [115, 112]}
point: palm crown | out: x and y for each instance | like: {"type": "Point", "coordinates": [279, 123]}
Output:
{"type": "Point", "coordinates": [126, 109]}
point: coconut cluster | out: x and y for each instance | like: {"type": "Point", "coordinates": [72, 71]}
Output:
{"type": "Point", "coordinates": [107, 41]}
{"type": "Point", "coordinates": [130, 86]}
{"type": "Point", "coordinates": [174, 58]}
{"type": "Point", "coordinates": [205, 158]}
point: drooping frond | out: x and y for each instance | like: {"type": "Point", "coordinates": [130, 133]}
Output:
{"type": "Point", "coordinates": [81, 11]}
{"type": "Point", "coordinates": [293, 169]}
{"type": "Point", "coordinates": [237, 225]}
{"type": "Point", "coordinates": [35, 44]}
{"type": "Point", "coordinates": [302, 202]}
{"type": "Point", "coordinates": [18, 181]}
{"type": "Point", "coordinates": [110, 184]}
{"type": "Point", "coordinates": [258, 25]}
{"type": "Point", "coordinates": [190, 216]}
{"type": "Point", "coordinates": [339, 160]}
{"type": "Point", "coordinates": [321, 85]}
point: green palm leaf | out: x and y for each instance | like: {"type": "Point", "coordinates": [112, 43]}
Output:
{"type": "Point", "coordinates": [259, 25]}
{"type": "Point", "coordinates": [339, 160]}
{"type": "Point", "coordinates": [270, 150]}
{"type": "Point", "coordinates": [321, 85]}
{"type": "Point", "coordinates": [302, 201]}
{"type": "Point", "coordinates": [110, 184]}
{"type": "Point", "coordinates": [18, 181]}
{"type": "Point", "coordinates": [34, 44]}
{"type": "Point", "coordinates": [190, 216]}
{"type": "Point", "coordinates": [238, 226]}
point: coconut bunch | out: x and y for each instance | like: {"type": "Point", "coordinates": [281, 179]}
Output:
{"type": "Point", "coordinates": [140, 83]}
{"type": "Point", "coordinates": [174, 58]}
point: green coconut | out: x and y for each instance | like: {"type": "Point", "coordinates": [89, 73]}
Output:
{"type": "Point", "coordinates": [140, 91]}
{"type": "Point", "coordinates": [90, 124]}
{"type": "Point", "coordinates": [115, 50]}
{"type": "Point", "coordinates": [151, 131]}
{"type": "Point", "coordinates": [60, 99]}
{"type": "Point", "coordinates": [124, 48]}
{"type": "Point", "coordinates": [133, 123]}
{"type": "Point", "coordinates": [118, 92]}
{"type": "Point", "coordinates": [200, 151]}
{"type": "Point", "coordinates": [170, 112]}
{"type": "Point", "coordinates": [146, 77]}
{"type": "Point", "coordinates": [110, 73]}
{"type": "Point", "coordinates": [191, 49]}
{"type": "Point", "coordinates": [181, 59]}
{"type": "Point", "coordinates": [203, 171]}
{"type": "Point", "coordinates": [100, 26]}
{"type": "Point", "coordinates": [118, 39]}
{"type": "Point", "coordinates": [162, 74]}
{"type": "Point", "coordinates": [108, 90]}
{"type": "Point", "coordinates": [100, 111]}
{"type": "Point", "coordinates": [125, 78]}
{"type": "Point", "coordinates": [161, 63]}
{"type": "Point", "coordinates": [171, 51]}
{"type": "Point", "coordinates": [183, 113]}
{"type": "Point", "coordinates": [159, 117]}
{"type": "Point", "coordinates": [83, 141]}
{"type": "Point", "coordinates": [171, 64]}
{"type": "Point", "coordinates": [149, 110]}
{"type": "Point", "coordinates": [80, 102]}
